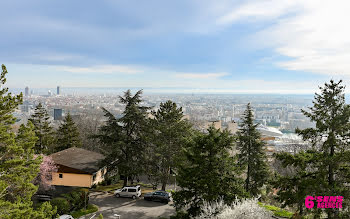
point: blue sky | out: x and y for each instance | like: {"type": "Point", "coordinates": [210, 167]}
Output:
{"type": "Point", "coordinates": [251, 46]}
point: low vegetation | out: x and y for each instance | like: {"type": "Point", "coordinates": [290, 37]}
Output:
{"type": "Point", "coordinates": [239, 209]}
{"type": "Point", "coordinates": [277, 211]}
{"type": "Point", "coordinates": [90, 209]}
{"type": "Point", "coordinates": [75, 201]}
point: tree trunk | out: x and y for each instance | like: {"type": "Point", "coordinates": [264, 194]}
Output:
{"type": "Point", "coordinates": [165, 179]}
{"type": "Point", "coordinates": [125, 183]}
{"type": "Point", "coordinates": [247, 181]}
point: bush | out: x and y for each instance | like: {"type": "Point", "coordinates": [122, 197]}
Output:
{"type": "Point", "coordinates": [62, 204]}
{"type": "Point", "coordinates": [100, 216]}
{"type": "Point", "coordinates": [77, 198]}
{"type": "Point", "coordinates": [90, 209]}
{"type": "Point", "coordinates": [239, 209]}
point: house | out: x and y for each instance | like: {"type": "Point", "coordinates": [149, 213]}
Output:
{"type": "Point", "coordinates": [77, 167]}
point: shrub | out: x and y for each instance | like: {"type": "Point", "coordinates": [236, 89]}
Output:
{"type": "Point", "coordinates": [62, 204]}
{"type": "Point", "coordinates": [90, 209]}
{"type": "Point", "coordinates": [77, 198]}
{"type": "Point", "coordinates": [239, 209]}
{"type": "Point", "coordinates": [100, 216]}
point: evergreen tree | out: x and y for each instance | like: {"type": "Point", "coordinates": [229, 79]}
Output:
{"type": "Point", "coordinates": [18, 167]}
{"type": "Point", "coordinates": [168, 137]}
{"type": "Point", "coordinates": [68, 134]}
{"type": "Point", "coordinates": [207, 172]}
{"type": "Point", "coordinates": [125, 137]}
{"type": "Point", "coordinates": [43, 130]}
{"type": "Point", "coordinates": [326, 166]}
{"type": "Point", "coordinates": [251, 154]}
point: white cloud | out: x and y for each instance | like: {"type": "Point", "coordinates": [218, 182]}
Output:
{"type": "Point", "coordinates": [258, 10]}
{"type": "Point", "coordinates": [201, 75]}
{"type": "Point", "coordinates": [314, 34]}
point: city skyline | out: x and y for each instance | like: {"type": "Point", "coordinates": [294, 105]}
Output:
{"type": "Point", "coordinates": [233, 47]}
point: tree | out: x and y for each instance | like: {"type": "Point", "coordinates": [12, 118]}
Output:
{"type": "Point", "coordinates": [251, 154]}
{"type": "Point", "coordinates": [88, 124]}
{"type": "Point", "coordinates": [68, 134]}
{"type": "Point", "coordinates": [169, 131]}
{"type": "Point", "coordinates": [18, 167]}
{"type": "Point", "coordinates": [43, 130]}
{"type": "Point", "coordinates": [208, 172]}
{"type": "Point", "coordinates": [44, 178]}
{"type": "Point", "coordinates": [327, 163]}
{"type": "Point", "coordinates": [297, 180]}
{"type": "Point", "coordinates": [124, 138]}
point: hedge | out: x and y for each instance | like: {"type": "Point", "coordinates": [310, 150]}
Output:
{"type": "Point", "coordinates": [62, 204]}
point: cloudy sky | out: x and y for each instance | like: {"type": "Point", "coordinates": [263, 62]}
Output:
{"type": "Point", "coordinates": [250, 46]}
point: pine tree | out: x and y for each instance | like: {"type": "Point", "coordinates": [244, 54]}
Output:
{"type": "Point", "coordinates": [18, 167]}
{"type": "Point", "coordinates": [67, 134]}
{"type": "Point", "coordinates": [125, 137]}
{"type": "Point", "coordinates": [169, 132]}
{"type": "Point", "coordinates": [325, 168]}
{"type": "Point", "coordinates": [207, 172]}
{"type": "Point", "coordinates": [251, 154]}
{"type": "Point", "coordinates": [43, 130]}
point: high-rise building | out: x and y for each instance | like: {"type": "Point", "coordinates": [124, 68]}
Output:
{"type": "Point", "coordinates": [26, 91]}
{"type": "Point", "coordinates": [58, 90]}
{"type": "Point", "coordinates": [57, 114]}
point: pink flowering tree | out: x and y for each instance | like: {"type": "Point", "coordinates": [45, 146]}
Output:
{"type": "Point", "coordinates": [44, 178]}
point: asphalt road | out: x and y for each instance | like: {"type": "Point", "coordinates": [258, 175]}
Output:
{"type": "Point", "coordinates": [128, 208]}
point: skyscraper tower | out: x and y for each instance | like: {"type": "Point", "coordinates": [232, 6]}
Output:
{"type": "Point", "coordinates": [58, 90]}
{"type": "Point", "coordinates": [26, 91]}
{"type": "Point", "coordinates": [57, 114]}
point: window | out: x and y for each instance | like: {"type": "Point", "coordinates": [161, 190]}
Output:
{"type": "Point", "coordinates": [131, 190]}
{"type": "Point", "coordinates": [60, 175]}
{"type": "Point", "coordinates": [94, 177]}
{"type": "Point", "coordinates": [124, 190]}
{"type": "Point", "coordinates": [138, 189]}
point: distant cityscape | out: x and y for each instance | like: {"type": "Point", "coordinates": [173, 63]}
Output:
{"type": "Point", "coordinates": [278, 115]}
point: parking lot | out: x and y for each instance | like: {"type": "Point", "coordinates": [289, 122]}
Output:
{"type": "Point", "coordinates": [128, 208]}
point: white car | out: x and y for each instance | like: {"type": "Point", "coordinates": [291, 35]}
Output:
{"type": "Point", "coordinates": [66, 216]}
{"type": "Point", "coordinates": [129, 191]}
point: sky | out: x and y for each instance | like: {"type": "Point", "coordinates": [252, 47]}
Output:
{"type": "Point", "coordinates": [233, 46]}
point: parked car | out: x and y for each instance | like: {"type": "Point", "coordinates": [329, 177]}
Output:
{"type": "Point", "coordinates": [129, 191]}
{"type": "Point", "coordinates": [66, 216]}
{"type": "Point", "coordinates": [161, 196]}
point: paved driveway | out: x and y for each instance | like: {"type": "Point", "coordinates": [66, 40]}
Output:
{"type": "Point", "coordinates": [128, 208]}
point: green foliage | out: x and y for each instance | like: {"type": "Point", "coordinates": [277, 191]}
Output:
{"type": "Point", "coordinates": [251, 154]}
{"type": "Point", "coordinates": [324, 169]}
{"type": "Point", "coordinates": [18, 166]}
{"type": "Point", "coordinates": [68, 134]}
{"type": "Point", "coordinates": [90, 209]}
{"type": "Point", "coordinates": [77, 198]}
{"type": "Point", "coordinates": [100, 216]}
{"type": "Point", "coordinates": [63, 206]}
{"type": "Point", "coordinates": [208, 172]}
{"type": "Point", "coordinates": [124, 138]}
{"type": "Point", "coordinates": [43, 130]}
{"type": "Point", "coordinates": [277, 211]}
{"type": "Point", "coordinates": [169, 133]}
